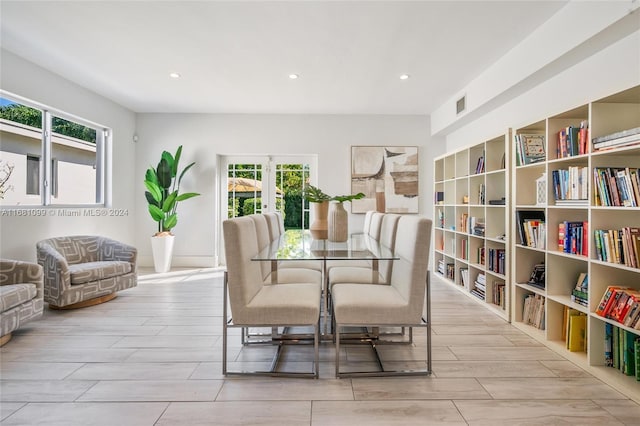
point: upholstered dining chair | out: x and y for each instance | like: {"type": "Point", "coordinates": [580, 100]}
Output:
{"type": "Point", "coordinates": [21, 295]}
{"type": "Point", "coordinates": [276, 229]}
{"type": "Point", "coordinates": [362, 273]}
{"type": "Point", "coordinates": [85, 270]}
{"type": "Point", "coordinates": [283, 274]}
{"type": "Point", "coordinates": [400, 304]}
{"type": "Point", "coordinates": [256, 304]}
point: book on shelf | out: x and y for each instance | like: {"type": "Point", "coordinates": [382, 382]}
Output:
{"type": "Point", "coordinates": [464, 277]}
{"type": "Point", "coordinates": [616, 186]}
{"type": "Point", "coordinates": [498, 293]}
{"type": "Point", "coordinates": [636, 349]}
{"type": "Point", "coordinates": [480, 165]}
{"type": "Point", "coordinates": [537, 277]}
{"type": "Point", "coordinates": [621, 304]}
{"type": "Point", "coordinates": [531, 228]}
{"type": "Point", "coordinates": [481, 194]}
{"type": "Point", "coordinates": [607, 299]}
{"type": "Point", "coordinates": [621, 246]}
{"type": "Point", "coordinates": [439, 198]}
{"type": "Point", "coordinates": [570, 186]}
{"type": "Point", "coordinates": [496, 202]}
{"type": "Point", "coordinates": [618, 139]}
{"type": "Point", "coordinates": [576, 330]}
{"type": "Point", "coordinates": [533, 311]}
{"type": "Point", "coordinates": [573, 140]}
{"type": "Point", "coordinates": [580, 292]}
{"type": "Point", "coordinates": [496, 260]}
{"type": "Point", "coordinates": [530, 148]}
{"type": "Point", "coordinates": [573, 237]}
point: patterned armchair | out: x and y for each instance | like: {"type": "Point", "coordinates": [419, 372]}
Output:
{"type": "Point", "coordinates": [85, 270]}
{"type": "Point", "coordinates": [21, 295]}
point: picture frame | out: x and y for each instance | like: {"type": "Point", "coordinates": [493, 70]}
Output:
{"type": "Point", "coordinates": [388, 176]}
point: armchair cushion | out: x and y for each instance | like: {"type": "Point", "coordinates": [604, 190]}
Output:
{"type": "Point", "coordinates": [92, 271]}
{"type": "Point", "coordinates": [17, 294]}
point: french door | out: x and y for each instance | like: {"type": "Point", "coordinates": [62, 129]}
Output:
{"type": "Point", "coordinates": [265, 183]}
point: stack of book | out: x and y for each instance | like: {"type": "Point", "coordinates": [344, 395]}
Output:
{"type": "Point", "coordinates": [580, 293]}
{"type": "Point", "coordinates": [533, 311]}
{"type": "Point", "coordinates": [618, 139]}
{"type": "Point", "coordinates": [615, 186]}
{"type": "Point", "coordinates": [621, 246]}
{"type": "Point", "coordinates": [480, 286]}
{"type": "Point", "coordinates": [476, 226]}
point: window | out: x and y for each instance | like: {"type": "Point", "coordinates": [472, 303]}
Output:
{"type": "Point", "coordinates": [46, 148]}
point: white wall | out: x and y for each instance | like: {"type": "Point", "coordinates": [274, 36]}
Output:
{"type": "Point", "coordinates": [606, 72]}
{"type": "Point", "coordinates": [18, 235]}
{"type": "Point", "coordinates": [206, 135]}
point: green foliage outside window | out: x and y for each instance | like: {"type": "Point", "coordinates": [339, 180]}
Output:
{"type": "Point", "coordinates": [33, 117]}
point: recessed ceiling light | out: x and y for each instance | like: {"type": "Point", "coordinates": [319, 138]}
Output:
{"type": "Point", "coordinates": [293, 76]}
{"type": "Point", "coordinates": [404, 77]}
{"type": "Point", "coordinates": [174, 75]}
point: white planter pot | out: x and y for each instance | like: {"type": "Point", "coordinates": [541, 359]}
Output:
{"type": "Point", "coordinates": [162, 248]}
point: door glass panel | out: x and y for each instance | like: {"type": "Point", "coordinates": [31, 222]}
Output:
{"type": "Point", "coordinates": [244, 189]}
{"type": "Point", "coordinates": [290, 179]}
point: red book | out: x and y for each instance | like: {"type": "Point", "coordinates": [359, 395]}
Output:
{"type": "Point", "coordinates": [607, 299]}
{"type": "Point", "coordinates": [634, 297]}
{"type": "Point", "coordinates": [620, 305]}
{"type": "Point", "coordinates": [561, 235]}
{"type": "Point", "coordinates": [585, 238]}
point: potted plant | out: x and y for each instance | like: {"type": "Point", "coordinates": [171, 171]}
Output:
{"type": "Point", "coordinates": [320, 202]}
{"type": "Point", "coordinates": [329, 225]}
{"type": "Point", "coordinates": [163, 195]}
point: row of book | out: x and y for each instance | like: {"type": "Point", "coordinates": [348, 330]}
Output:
{"type": "Point", "coordinates": [496, 260]}
{"type": "Point", "coordinates": [529, 148]}
{"type": "Point", "coordinates": [573, 140]}
{"type": "Point", "coordinates": [573, 237]}
{"type": "Point", "coordinates": [533, 311]}
{"type": "Point", "coordinates": [618, 139]}
{"type": "Point", "coordinates": [531, 228]}
{"type": "Point", "coordinates": [574, 330]}
{"type": "Point", "coordinates": [464, 277]}
{"type": "Point", "coordinates": [621, 246]}
{"type": "Point", "coordinates": [571, 186]}
{"type": "Point", "coordinates": [621, 304]}
{"type": "Point", "coordinates": [464, 249]}
{"type": "Point", "coordinates": [497, 293]}
{"type": "Point", "coordinates": [616, 186]}
{"type": "Point", "coordinates": [622, 350]}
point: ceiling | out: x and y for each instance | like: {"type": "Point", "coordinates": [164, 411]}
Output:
{"type": "Point", "coordinates": [236, 56]}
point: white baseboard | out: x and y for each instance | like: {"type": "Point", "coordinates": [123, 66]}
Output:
{"type": "Point", "coordinates": [182, 261]}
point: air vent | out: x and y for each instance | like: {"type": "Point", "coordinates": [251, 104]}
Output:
{"type": "Point", "coordinates": [460, 104]}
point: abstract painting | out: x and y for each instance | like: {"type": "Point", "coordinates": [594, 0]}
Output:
{"type": "Point", "coordinates": [388, 176]}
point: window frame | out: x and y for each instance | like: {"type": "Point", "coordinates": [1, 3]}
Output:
{"type": "Point", "coordinates": [47, 179]}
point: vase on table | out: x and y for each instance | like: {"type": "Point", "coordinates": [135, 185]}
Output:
{"type": "Point", "coordinates": [338, 222]}
{"type": "Point", "coordinates": [319, 227]}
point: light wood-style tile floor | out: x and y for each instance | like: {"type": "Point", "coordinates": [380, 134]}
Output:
{"type": "Point", "coordinates": [152, 356]}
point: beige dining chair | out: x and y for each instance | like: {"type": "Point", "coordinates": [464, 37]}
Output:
{"type": "Point", "coordinates": [363, 273]}
{"type": "Point", "coordinates": [280, 273]}
{"type": "Point", "coordinates": [256, 304]}
{"type": "Point", "coordinates": [403, 303]}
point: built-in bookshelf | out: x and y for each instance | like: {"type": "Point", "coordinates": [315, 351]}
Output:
{"type": "Point", "coordinates": [566, 198]}
{"type": "Point", "coordinates": [471, 217]}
